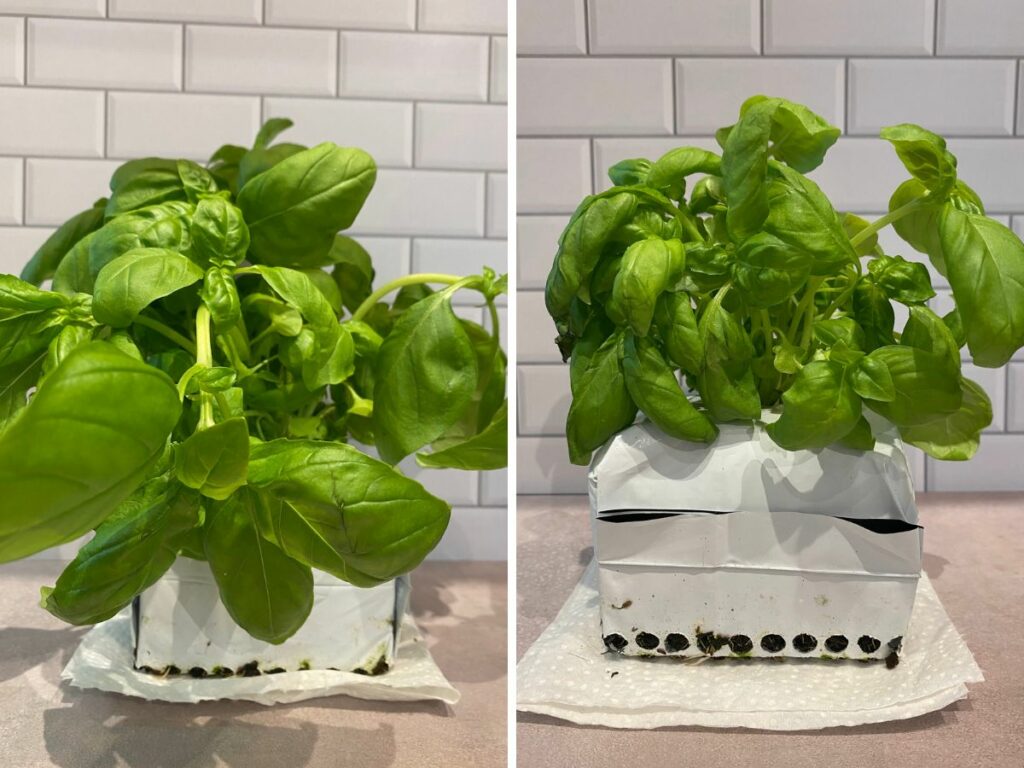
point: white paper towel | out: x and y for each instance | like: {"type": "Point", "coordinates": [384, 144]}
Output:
{"type": "Point", "coordinates": [567, 674]}
{"type": "Point", "coordinates": [103, 661]}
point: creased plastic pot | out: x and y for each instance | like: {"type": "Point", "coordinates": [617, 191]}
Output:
{"type": "Point", "coordinates": [180, 625]}
{"type": "Point", "coordinates": [741, 548]}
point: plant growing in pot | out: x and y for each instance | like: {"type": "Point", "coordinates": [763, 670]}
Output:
{"type": "Point", "coordinates": [798, 391]}
{"type": "Point", "coordinates": [196, 387]}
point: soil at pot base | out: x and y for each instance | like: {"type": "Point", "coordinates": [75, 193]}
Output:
{"type": "Point", "coordinates": [741, 549]}
{"type": "Point", "coordinates": [182, 627]}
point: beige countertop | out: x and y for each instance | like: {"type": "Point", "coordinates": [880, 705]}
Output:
{"type": "Point", "coordinates": [461, 608]}
{"type": "Point", "coordinates": [974, 554]}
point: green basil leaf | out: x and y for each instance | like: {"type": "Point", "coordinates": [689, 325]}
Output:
{"type": "Point", "coordinates": [924, 154]}
{"type": "Point", "coordinates": [677, 325]}
{"type": "Point", "coordinates": [668, 173]}
{"type": "Point", "coordinates": [726, 380]}
{"type": "Point", "coordinates": [627, 172]}
{"type": "Point", "coordinates": [485, 450]}
{"type": "Point", "coordinates": [266, 592]}
{"type": "Point", "coordinates": [653, 387]}
{"type": "Point", "coordinates": [131, 550]}
{"type": "Point", "coordinates": [425, 377]}
{"type": "Point", "coordinates": [220, 295]}
{"type": "Point", "coordinates": [844, 329]}
{"type": "Point", "coordinates": [256, 161]}
{"type": "Point", "coordinates": [954, 436]}
{"type": "Point", "coordinates": [219, 233]}
{"type": "Point", "coordinates": [70, 338]}
{"type": "Point", "coordinates": [907, 282]}
{"type": "Point", "coordinates": [859, 438]}
{"type": "Point", "coordinates": [270, 130]}
{"type": "Point", "coordinates": [872, 381]}
{"type": "Point", "coordinates": [819, 408]}
{"type": "Point", "coordinates": [601, 405]}
{"type": "Point", "coordinates": [648, 269]}
{"type": "Point", "coordinates": [19, 298]}
{"type": "Point", "coordinates": [920, 227]}
{"type": "Point", "coordinates": [53, 490]}
{"type": "Point", "coordinates": [295, 209]}
{"type": "Point", "coordinates": [327, 287]}
{"type": "Point", "coordinates": [353, 271]}
{"type": "Point", "coordinates": [853, 225]}
{"type": "Point", "coordinates": [336, 509]}
{"type": "Point", "coordinates": [16, 380]}
{"type": "Point", "coordinates": [926, 330]}
{"type": "Point", "coordinates": [47, 258]}
{"type": "Point", "coordinates": [196, 180]}
{"type": "Point", "coordinates": [924, 388]}
{"type": "Point", "coordinates": [283, 319]}
{"type": "Point", "coordinates": [987, 278]}
{"type": "Point", "coordinates": [214, 461]}
{"type": "Point", "coordinates": [143, 183]}
{"type": "Point", "coordinates": [130, 283]}
{"type": "Point", "coordinates": [768, 271]}
{"type": "Point", "coordinates": [873, 313]}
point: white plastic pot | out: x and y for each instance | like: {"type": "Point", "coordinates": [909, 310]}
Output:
{"type": "Point", "coordinates": [740, 548]}
{"type": "Point", "coordinates": [180, 625]}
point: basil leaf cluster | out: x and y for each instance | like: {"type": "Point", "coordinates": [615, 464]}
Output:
{"type": "Point", "coordinates": [207, 376]}
{"type": "Point", "coordinates": [752, 292]}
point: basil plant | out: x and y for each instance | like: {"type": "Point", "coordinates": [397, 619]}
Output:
{"type": "Point", "coordinates": [200, 377]}
{"type": "Point", "coordinates": [757, 294]}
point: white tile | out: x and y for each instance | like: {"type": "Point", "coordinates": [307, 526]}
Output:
{"type": "Point", "coordinates": [997, 466]}
{"type": "Point", "coordinates": [917, 460]}
{"type": "Point", "coordinates": [11, 180]}
{"type": "Point", "coordinates": [461, 256]}
{"type": "Point", "coordinates": [554, 174]}
{"type": "Point", "coordinates": [463, 136]}
{"type": "Point", "coordinates": [499, 69]}
{"type": "Point", "coordinates": [1020, 102]}
{"type": "Point", "coordinates": [535, 330]}
{"type": "Point", "coordinates": [544, 399]}
{"type": "Point", "coordinates": [390, 257]}
{"type": "Point", "coordinates": [405, 202]}
{"type": "Point", "coordinates": [94, 8]}
{"type": "Point", "coordinates": [474, 533]}
{"type": "Point", "coordinates": [222, 11]}
{"type": "Point", "coordinates": [711, 91]}
{"type": "Point", "coordinates": [860, 174]}
{"type": "Point", "coordinates": [179, 125]}
{"type": "Point", "coordinates": [463, 15]}
{"type": "Point", "coordinates": [497, 205]}
{"type": "Point", "coordinates": [248, 60]}
{"type": "Point", "coordinates": [421, 66]}
{"type": "Point", "coordinates": [51, 122]}
{"type": "Point", "coordinates": [607, 152]}
{"type": "Point", "coordinates": [382, 128]}
{"type": "Point", "coordinates": [849, 27]}
{"type": "Point", "coordinates": [494, 488]}
{"type": "Point", "coordinates": [55, 190]}
{"type": "Point", "coordinates": [457, 488]}
{"type": "Point", "coordinates": [104, 54]}
{"type": "Point", "coordinates": [12, 51]}
{"type": "Point", "coordinates": [353, 14]}
{"type": "Point", "coordinates": [980, 27]}
{"type": "Point", "coordinates": [1015, 398]}
{"type": "Point", "coordinates": [1018, 226]}
{"type": "Point", "coordinates": [675, 26]}
{"type": "Point", "coordinates": [536, 245]}
{"type": "Point", "coordinates": [962, 97]}
{"type": "Point", "coordinates": [17, 244]}
{"type": "Point", "coordinates": [551, 26]}
{"type": "Point", "coordinates": [594, 96]}
{"type": "Point", "coordinates": [993, 167]}
{"type": "Point", "coordinates": [543, 467]}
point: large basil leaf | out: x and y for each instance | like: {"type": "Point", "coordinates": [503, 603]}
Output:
{"type": "Point", "coordinates": [425, 377]}
{"type": "Point", "coordinates": [601, 405]}
{"type": "Point", "coordinates": [260, 159]}
{"type": "Point", "coordinates": [130, 283]}
{"type": "Point", "coordinates": [47, 258]}
{"type": "Point", "coordinates": [985, 264]}
{"type": "Point", "coordinates": [295, 209]}
{"type": "Point", "coordinates": [769, 271]}
{"type": "Point", "coordinates": [654, 388]}
{"type": "Point", "coordinates": [648, 269]}
{"type": "Point", "coordinates": [142, 183]}
{"type": "Point", "coordinates": [920, 225]}
{"type": "Point", "coordinates": [924, 154]}
{"type": "Point", "coordinates": [954, 436]}
{"type": "Point", "coordinates": [266, 592]}
{"type": "Point", "coordinates": [668, 173]}
{"type": "Point", "coordinates": [923, 386]}
{"type": "Point", "coordinates": [352, 272]}
{"type": "Point", "coordinates": [131, 550]}
{"type": "Point", "coordinates": [726, 380]}
{"type": "Point", "coordinates": [677, 325]}
{"type": "Point", "coordinates": [332, 507]}
{"type": "Point", "coordinates": [487, 449]}
{"type": "Point", "coordinates": [64, 467]}
{"type": "Point", "coordinates": [821, 407]}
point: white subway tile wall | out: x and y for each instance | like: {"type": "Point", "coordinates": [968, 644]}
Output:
{"type": "Point", "coordinates": [421, 85]}
{"type": "Point", "coordinates": [602, 80]}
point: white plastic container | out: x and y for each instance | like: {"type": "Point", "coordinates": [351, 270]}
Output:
{"type": "Point", "coordinates": [181, 625]}
{"type": "Point", "coordinates": [740, 548]}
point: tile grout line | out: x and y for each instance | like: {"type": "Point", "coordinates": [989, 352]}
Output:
{"type": "Point", "coordinates": [184, 55]}
{"type": "Point", "coordinates": [586, 27]}
{"type": "Point", "coordinates": [761, 26]}
{"type": "Point", "coordinates": [935, 29]}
